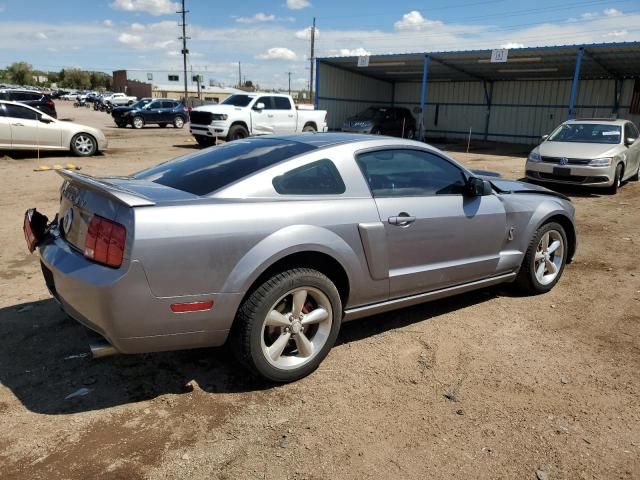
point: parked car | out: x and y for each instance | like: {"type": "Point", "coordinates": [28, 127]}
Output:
{"type": "Point", "coordinates": [119, 99]}
{"type": "Point", "coordinates": [161, 112]}
{"type": "Point", "coordinates": [24, 128]}
{"type": "Point", "coordinates": [118, 112]}
{"type": "Point", "coordinates": [273, 241]}
{"type": "Point", "coordinates": [394, 121]}
{"type": "Point", "coordinates": [242, 115]}
{"type": "Point", "coordinates": [594, 153]}
{"type": "Point", "coordinates": [41, 101]}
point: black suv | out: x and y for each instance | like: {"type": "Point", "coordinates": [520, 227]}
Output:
{"type": "Point", "coordinates": [394, 121]}
{"type": "Point", "coordinates": [118, 113]}
{"type": "Point", "coordinates": [41, 101]}
{"type": "Point", "coordinates": [162, 112]}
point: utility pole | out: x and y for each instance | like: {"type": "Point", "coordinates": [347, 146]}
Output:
{"type": "Point", "coordinates": [312, 59]}
{"type": "Point", "coordinates": [289, 73]}
{"type": "Point", "coordinates": [239, 75]}
{"type": "Point", "coordinates": [185, 51]}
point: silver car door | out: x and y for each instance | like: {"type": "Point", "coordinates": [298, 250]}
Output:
{"type": "Point", "coordinates": [633, 152]}
{"type": "Point", "coordinates": [5, 130]}
{"type": "Point", "coordinates": [436, 236]}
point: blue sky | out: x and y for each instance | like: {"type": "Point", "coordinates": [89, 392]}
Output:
{"type": "Point", "coordinates": [271, 38]}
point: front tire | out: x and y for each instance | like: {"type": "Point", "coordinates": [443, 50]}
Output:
{"type": "Point", "coordinates": [286, 327]}
{"type": "Point", "coordinates": [205, 141]}
{"type": "Point", "coordinates": [545, 260]}
{"type": "Point", "coordinates": [237, 132]}
{"type": "Point", "coordinates": [83, 145]}
{"type": "Point", "coordinates": [617, 181]}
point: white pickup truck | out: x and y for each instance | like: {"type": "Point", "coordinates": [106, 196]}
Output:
{"type": "Point", "coordinates": [120, 99]}
{"type": "Point", "coordinates": [247, 114]}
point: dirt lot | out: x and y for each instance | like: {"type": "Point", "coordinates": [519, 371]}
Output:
{"type": "Point", "coordinates": [485, 385]}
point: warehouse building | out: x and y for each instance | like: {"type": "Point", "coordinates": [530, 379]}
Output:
{"type": "Point", "coordinates": [513, 96]}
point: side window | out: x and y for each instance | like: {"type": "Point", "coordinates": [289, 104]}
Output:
{"type": "Point", "coordinates": [4, 96]}
{"type": "Point", "coordinates": [15, 111]}
{"type": "Point", "coordinates": [167, 104]}
{"type": "Point", "coordinates": [282, 103]}
{"type": "Point", "coordinates": [410, 173]}
{"type": "Point", "coordinates": [268, 104]}
{"type": "Point", "coordinates": [317, 178]}
{"type": "Point", "coordinates": [155, 104]}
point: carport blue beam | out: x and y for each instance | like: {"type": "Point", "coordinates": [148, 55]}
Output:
{"type": "Point", "coordinates": [574, 85]}
{"type": "Point", "coordinates": [423, 96]}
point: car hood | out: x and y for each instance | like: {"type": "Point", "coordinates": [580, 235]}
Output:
{"type": "Point", "coordinates": [217, 108]}
{"type": "Point", "coordinates": [121, 109]}
{"type": "Point", "coordinates": [577, 150]}
{"type": "Point", "coordinates": [77, 127]}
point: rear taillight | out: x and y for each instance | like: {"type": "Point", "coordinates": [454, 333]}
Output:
{"type": "Point", "coordinates": [105, 241]}
{"type": "Point", "coordinates": [49, 103]}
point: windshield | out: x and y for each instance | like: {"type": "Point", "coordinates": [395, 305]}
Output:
{"type": "Point", "coordinates": [372, 113]}
{"type": "Point", "coordinates": [207, 171]}
{"type": "Point", "coordinates": [586, 133]}
{"type": "Point", "coordinates": [139, 104]}
{"type": "Point", "coordinates": [238, 100]}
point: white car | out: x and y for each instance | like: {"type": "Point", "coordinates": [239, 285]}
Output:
{"type": "Point", "coordinates": [120, 99]}
{"type": "Point", "coordinates": [248, 114]}
{"type": "Point", "coordinates": [25, 128]}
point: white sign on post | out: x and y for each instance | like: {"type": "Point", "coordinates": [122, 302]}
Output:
{"type": "Point", "coordinates": [499, 55]}
{"type": "Point", "coordinates": [363, 61]}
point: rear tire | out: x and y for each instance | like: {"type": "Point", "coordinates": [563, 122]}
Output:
{"type": "Point", "coordinates": [309, 128]}
{"type": "Point", "coordinates": [237, 132]}
{"type": "Point", "coordinates": [544, 261]}
{"type": "Point", "coordinates": [137, 122]}
{"type": "Point", "coordinates": [84, 145]}
{"type": "Point", "coordinates": [205, 141]}
{"type": "Point", "coordinates": [410, 134]}
{"type": "Point", "coordinates": [273, 340]}
{"type": "Point", "coordinates": [178, 122]}
{"type": "Point", "coordinates": [617, 181]}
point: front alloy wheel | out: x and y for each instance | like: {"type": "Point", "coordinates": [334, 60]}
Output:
{"type": "Point", "coordinates": [83, 145]}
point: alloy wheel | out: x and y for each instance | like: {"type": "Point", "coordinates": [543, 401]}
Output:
{"type": "Point", "coordinates": [84, 144]}
{"type": "Point", "coordinates": [549, 257]}
{"type": "Point", "coordinates": [296, 328]}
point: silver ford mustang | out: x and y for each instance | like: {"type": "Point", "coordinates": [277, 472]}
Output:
{"type": "Point", "coordinates": [272, 242]}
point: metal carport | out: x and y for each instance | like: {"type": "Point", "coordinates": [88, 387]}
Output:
{"type": "Point", "coordinates": [516, 101]}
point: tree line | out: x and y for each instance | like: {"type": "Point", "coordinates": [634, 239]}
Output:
{"type": "Point", "coordinates": [22, 73]}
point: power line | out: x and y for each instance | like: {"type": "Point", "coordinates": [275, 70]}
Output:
{"type": "Point", "coordinates": [312, 58]}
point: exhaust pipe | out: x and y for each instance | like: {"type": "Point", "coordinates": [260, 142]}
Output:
{"type": "Point", "coordinates": [101, 348]}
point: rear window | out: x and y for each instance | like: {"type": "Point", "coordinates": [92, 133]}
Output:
{"type": "Point", "coordinates": [205, 172]}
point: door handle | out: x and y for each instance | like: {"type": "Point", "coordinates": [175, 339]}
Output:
{"type": "Point", "coordinates": [270, 116]}
{"type": "Point", "coordinates": [402, 220]}
{"type": "Point", "coordinates": [17, 124]}
{"type": "Point", "coordinates": [290, 116]}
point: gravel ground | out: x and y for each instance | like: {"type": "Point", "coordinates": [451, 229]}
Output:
{"type": "Point", "coordinates": [485, 385]}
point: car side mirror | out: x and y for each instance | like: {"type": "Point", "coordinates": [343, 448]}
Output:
{"type": "Point", "coordinates": [45, 119]}
{"type": "Point", "coordinates": [544, 137]}
{"type": "Point", "coordinates": [259, 106]}
{"type": "Point", "coordinates": [629, 141]}
{"type": "Point", "coordinates": [477, 187]}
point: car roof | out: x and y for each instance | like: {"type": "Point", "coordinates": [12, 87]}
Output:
{"type": "Point", "coordinates": [20, 104]}
{"type": "Point", "coordinates": [321, 140]}
{"type": "Point", "coordinates": [597, 121]}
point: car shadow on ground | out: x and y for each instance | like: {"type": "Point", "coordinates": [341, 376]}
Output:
{"type": "Point", "coordinates": [44, 154]}
{"type": "Point", "coordinates": [570, 190]}
{"type": "Point", "coordinates": [45, 361]}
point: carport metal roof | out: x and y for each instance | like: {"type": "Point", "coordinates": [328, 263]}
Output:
{"type": "Point", "coordinates": [588, 61]}
{"type": "Point", "coordinates": [608, 60]}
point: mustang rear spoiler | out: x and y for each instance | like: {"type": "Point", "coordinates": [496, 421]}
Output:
{"type": "Point", "coordinates": [115, 192]}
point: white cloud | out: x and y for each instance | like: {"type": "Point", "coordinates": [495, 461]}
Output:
{"type": "Point", "coordinates": [278, 53]}
{"type": "Point", "coordinates": [414, 21]}
{"type": "Point", "coordinates": [107, 23]}
{"type": "Point", "coordinates": [305, 33]}
{"type": "Point", "coordinates": [298, 4]}
{"type": "Point", "coordinates": [257, 18]}
{"type": "Point", "coordinates": [612, 12]}
{"type": "Point", "coordinates": [617, 33]}
{"type": "Point", "coordinates": [137, 27]}
{"type": "Point", "coordinates": [512, 45]}
{"type": "Point", "coordinates": [152, 7]}
{"type": "Point", "coordinates": [350, 52]}
{"type": "Point", "coordinates": [129, 39]}
{"type": "Point", "coordinates": [41, 36]}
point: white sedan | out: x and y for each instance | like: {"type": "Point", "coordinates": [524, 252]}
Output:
{"type": "Point", "coordinates": [25, 128]}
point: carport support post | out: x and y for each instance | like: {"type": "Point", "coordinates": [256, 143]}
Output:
{"type": "Point", "coordinates": [488, 94]}
{"type": "Point", "coordinates": [423, 97]}
{"type": "Point", "coordinates": [574, 85]}
{"type": "Point", "coordinates": [315, 99]}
